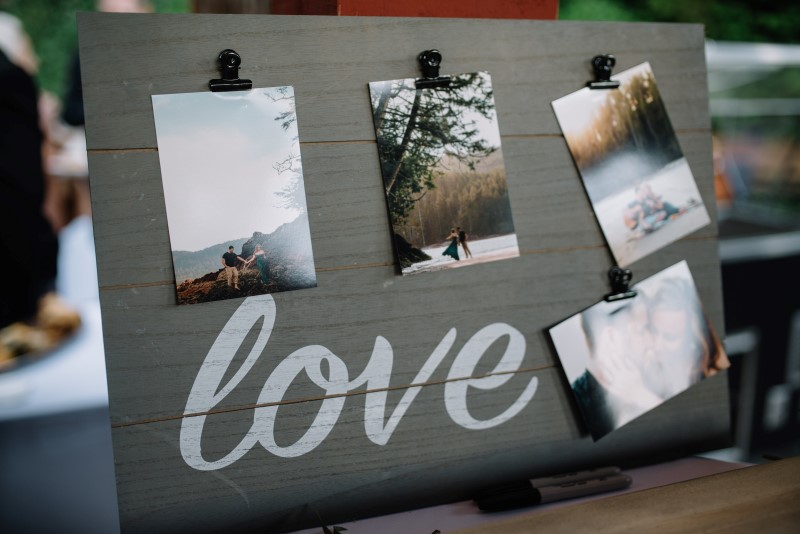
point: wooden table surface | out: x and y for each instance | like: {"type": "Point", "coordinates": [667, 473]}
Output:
{"type": "Point", "coordinates": [763, 498]}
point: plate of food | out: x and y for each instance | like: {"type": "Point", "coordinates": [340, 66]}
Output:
{"type": "Point", "coordinates": [22, 343]}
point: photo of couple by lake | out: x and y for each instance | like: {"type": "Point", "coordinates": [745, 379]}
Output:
{"type": "Point", "coordinates": [634, 172]}
{"type": "Point", "coordinates": [234, 193]}
{"type": "Point", "coordinates": [443, 173]}
{"type": "Point", "coordinates": [624, 358]}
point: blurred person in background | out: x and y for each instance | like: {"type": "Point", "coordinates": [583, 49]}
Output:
{"type": "Point", "coordinates": [28, 244]}
{"type": "Point", "coordinates": [32, 318]}
{"type": "Point", "coordinates": [65, 158]}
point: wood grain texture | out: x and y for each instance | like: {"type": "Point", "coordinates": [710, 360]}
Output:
{"type": "Point", "coordinates": [155, 348]}
{"type": "Point", "coordinates": [347, 207]}
{"type": "Point", "coordinates": [351, 307]}
{"type": "Point", "coordinates": [429, 458]}
{"type": "Point", "coordinates": [760, 498]}
{"type": "Point", "coordinates": [134, 56]}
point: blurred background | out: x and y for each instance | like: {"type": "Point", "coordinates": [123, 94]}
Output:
{"type": "Point", "coordinates": [55, 444]}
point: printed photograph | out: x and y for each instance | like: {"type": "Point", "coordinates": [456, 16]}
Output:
{"type": "Point", "coordinates": [640, 185]}
{"type": "Point", "coordinates": [443, 173]}
{"type": "Point", "coordinates": [234, 193]}
{"type": "Point", "coordinates": [625, 358]}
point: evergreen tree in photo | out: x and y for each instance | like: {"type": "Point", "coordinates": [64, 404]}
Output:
{"type": "Point", "coordinates": [478, 200]}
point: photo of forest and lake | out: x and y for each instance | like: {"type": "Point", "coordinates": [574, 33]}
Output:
{"type": "Point", "coordinates": [443, 173]}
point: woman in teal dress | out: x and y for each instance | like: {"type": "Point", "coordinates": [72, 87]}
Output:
{"type": "Point", "coordinates": [260, 257]}
{"type": "Point", "coordinates": [452, 250]}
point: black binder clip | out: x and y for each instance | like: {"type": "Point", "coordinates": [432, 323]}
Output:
{"type": "Point", "coordinates": [620, 279]}
{"type": "Point", "coordinates": [229, 62]}
{"type": "Point", "coordinates": [429, 61]}
{"type": "Point", "coordinates": [603, 65]}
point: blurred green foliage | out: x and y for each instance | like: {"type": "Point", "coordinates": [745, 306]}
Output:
{"type": "Point", "coordinates": [51, 26]}
{"type": "Point", "coordinates": [728, 20]}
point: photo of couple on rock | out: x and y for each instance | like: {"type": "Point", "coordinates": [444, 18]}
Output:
{"type": "Point", "coordinates": [252, 199]}
{"type": "Point", "coordinates": [229, 264]}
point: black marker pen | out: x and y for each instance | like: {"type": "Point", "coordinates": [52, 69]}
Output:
{"type": "Point", "coordinates": [517, 495]}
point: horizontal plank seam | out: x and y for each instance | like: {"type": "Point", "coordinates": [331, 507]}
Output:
{"type": "Point", "coordinates": [318, 269]}
{"type": "Point", "coordinates": [348, 142]}
{"type": "Point", "coordinates": [386, 264]}
{"type": "Point", "coordinates": [119, 150]}
{"type": "Point", "coordinates": [532, 136]}
{"type": "Point", "coordinates": [132, 286]}
{"type": "Point", "coordinates": [694, 131]}
{"type": "Point", "coordinates": [324, 397]}
{"type": "Point", "coordinates": [372, 141]}
{"type": "Point", "coordinates": [350, 267]}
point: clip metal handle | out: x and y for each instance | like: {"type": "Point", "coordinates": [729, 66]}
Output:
{"type": "Point", "coordinates": [429, 62]}
{"type": "Point", "coordinates": [602, 66]}
{"type": "Point", "coordinates": [620, 281]}
{"type": "Point", "coordinates": [229, 62]}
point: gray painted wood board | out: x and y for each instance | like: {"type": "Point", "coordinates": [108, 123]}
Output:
{"type": "Point", "coordinates": [154, 348]}
{"type": "Point", "coordinates": [149, 349]}
{"type": "Point", "coordinates": [346, 206]}
{"type": "Point", "coordinates": [348, 474]}
{"type": "Point", "coordinates": [130, 65]}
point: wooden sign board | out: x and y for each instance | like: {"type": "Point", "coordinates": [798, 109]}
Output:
{"type": "Point", "coordinates": [372, 392]}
